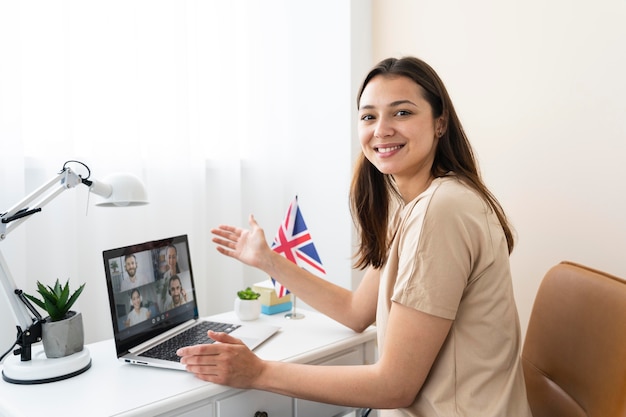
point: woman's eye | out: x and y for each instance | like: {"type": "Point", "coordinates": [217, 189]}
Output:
{"type": "Point", "coordinates": [367, 117]}
{"type": "Point", "coordinates": [403, 113]}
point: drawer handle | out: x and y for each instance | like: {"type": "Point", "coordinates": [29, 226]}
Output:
{"type": "Point", "coordinates": [260, 414]}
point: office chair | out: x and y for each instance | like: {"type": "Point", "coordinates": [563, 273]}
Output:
{"type": "Point", "coordinates": [574, 353]}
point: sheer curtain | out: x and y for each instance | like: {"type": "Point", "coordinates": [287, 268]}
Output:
{"type": "Point", "coordinates": [223, 108]}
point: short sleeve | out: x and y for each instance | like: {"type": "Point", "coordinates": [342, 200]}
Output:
{"type": "Point", "coordinates": [436, 249]}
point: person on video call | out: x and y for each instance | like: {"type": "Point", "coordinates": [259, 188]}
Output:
{"type": "Point", "coordinates": [178, 295]}
{"type": "Point", "coordinates": [171, 256]}
{"type": "Point", "coordinates": [138, 313]}
{"type": "Point", "coordinates": [435, 244]}
{"type": "Point", "coordinates": [134, 278]}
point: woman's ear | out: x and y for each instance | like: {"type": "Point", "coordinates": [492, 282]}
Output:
{"type": "Point", "coordinates": [441, 125]}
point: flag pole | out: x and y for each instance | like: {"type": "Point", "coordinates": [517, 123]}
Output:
{"type": "Point", "coordinates": [294, 315]}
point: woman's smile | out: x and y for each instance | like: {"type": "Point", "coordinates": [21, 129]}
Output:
{"type": "Point", "coordinates": [386, 150]}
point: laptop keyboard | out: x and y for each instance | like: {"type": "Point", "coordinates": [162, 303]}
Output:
{"type": "Point", "coordinates": [195, 335]}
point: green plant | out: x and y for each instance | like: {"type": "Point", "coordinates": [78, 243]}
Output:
{"type": "Point", "coordinates": [248, 294]}
{"type": "Point", "coordinates": [56, 301]}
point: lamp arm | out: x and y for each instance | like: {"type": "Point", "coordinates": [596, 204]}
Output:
{"type": "Point", "coordinates": [26, 319]}
{"type": "Point", "coordinates": [17, 214]}
{"type": "Point", "coordinates": [21, 314]}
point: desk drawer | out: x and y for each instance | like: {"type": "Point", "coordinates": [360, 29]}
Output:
{"type": "Point", "coordinates": [199, 409]}
{"type": "Point", "coordinates": [248, 403]}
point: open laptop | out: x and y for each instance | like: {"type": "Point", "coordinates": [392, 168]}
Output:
{"type": "Point", "coordinates": [152, 295]}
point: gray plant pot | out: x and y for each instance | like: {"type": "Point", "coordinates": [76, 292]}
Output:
{"type": "Point", "coordinates": [64, 337]}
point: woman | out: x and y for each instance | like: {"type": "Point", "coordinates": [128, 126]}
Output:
{"type": "Point", "coordinates": [171, 256]}
{"type": "Point", "coordinates": [435, 243]}
{"type": "Point", "coordinates": [138, 313]}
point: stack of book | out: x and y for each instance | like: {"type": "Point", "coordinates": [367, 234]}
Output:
{"type": "Point", "coordinates": [270, 303]}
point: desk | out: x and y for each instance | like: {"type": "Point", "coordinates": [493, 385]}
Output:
{"type": "Point", "coordinates": [112, 388]}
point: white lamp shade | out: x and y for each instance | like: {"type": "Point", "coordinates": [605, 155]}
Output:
{"type": "Point", "coordinates": [120, 190]}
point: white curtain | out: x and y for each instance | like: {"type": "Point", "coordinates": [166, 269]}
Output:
{"type": "Point", "coordinates": [223, 108]}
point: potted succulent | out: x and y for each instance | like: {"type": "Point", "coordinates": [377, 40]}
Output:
{"type": "Point", "coordinates": [62, 330]}
{"type": "Point", "coordinates": [247, 304]}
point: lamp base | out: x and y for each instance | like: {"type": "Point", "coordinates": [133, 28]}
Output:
{"type": "Point", "coordinates": [41, 369]}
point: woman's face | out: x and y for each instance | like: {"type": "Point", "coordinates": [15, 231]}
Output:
{"type": "Point", "coordinates": [171, 259]}
{"type": "Point", "coordinates": [397, 129]}
{"type": "Point", "coordinates": [136, 300]}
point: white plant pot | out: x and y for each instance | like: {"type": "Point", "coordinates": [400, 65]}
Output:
{"type": "Point", "coordinates": [247, 309]}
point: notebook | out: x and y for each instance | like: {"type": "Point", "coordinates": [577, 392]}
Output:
{"type": "Point", "coordinates": [152, 299]}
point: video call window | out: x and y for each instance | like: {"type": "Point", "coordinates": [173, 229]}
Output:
{"type": "Point", "coordinates": [149, 283]}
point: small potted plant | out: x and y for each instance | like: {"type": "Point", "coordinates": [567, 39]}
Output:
{"type": "Point", "coordinates": [247, 304]}
{"type": "Point", "coordinates": [62, 330]}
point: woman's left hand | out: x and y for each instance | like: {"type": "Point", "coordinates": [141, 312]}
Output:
{"type": "Point", "coordinates": [226, 362]}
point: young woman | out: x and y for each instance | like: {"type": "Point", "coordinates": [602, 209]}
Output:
{"type": "Point", "coordinates": [138, 313]}
{"type": "Point", "coordinates": [435, 243]}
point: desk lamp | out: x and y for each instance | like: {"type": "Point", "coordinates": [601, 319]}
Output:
{"type": "Point", "coordinates": [34, 368]}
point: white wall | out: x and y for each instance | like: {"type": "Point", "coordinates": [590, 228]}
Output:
{"type": "Point", "coordinates": [539, 86]}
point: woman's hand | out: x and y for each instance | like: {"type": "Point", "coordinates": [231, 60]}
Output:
{"type": "Point", "coordinates": [226, 362]}
{"type": "Point", "coordinates": [247, 246]}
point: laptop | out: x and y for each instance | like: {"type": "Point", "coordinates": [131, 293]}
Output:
{"type": "Point", "coordinates": [153, 304]}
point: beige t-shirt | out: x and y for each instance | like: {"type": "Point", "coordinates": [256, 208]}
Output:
{"type": "Point", "coordinates": [449, 258]}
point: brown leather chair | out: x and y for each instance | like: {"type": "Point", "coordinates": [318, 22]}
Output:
{"type": "Point", "coordinates": [574, 353]}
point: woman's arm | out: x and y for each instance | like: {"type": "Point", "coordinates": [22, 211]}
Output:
{"type": "Point", "coordinates": [357, 309]}
{"type": "Point", "coordinates": [412, 342]}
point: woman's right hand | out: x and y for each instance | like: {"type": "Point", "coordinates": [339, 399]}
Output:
{"type": "Point", "coordinates": [246, 245]}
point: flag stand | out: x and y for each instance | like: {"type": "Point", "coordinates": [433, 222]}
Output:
{"type": "Point", "coordinates": [294, 315]}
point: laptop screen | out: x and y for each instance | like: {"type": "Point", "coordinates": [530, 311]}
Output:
{"type": "Point", "coordinates": [151, 289]}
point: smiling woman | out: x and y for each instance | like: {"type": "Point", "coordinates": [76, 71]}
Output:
{"type": "Point", "coordinates": [437, 280]}
{"type": "Point", "coordinates": [208, 102]}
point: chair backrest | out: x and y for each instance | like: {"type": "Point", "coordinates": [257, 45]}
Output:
{"type": "Point", "coordinates": [574, 353]}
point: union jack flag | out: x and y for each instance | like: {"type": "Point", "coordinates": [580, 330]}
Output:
{"type": "Point", "coordinates": [294, 242]}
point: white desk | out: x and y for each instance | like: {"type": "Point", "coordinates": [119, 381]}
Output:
{"type": "Point", "coordinates": [112, 388]}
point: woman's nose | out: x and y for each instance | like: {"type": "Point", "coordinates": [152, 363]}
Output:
{"type": "Point", "coordinates": [383, 128]}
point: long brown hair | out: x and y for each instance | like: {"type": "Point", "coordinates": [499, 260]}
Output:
{"type": "Point", "coordinates": [371, 191]}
